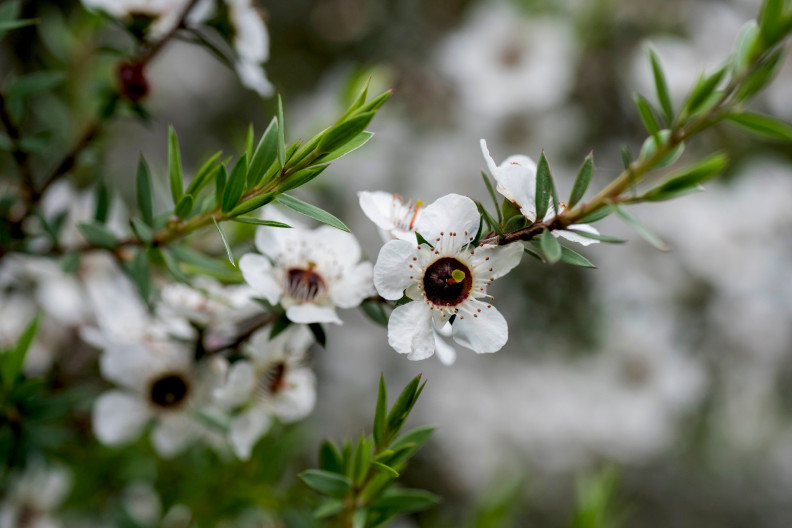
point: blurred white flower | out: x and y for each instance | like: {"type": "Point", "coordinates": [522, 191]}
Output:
{"type": "Point", "coordinates": [445, 282]}
{"type": "Point", "coordinates": [251, 44]}
{"type": "Point", "coordinates": [272, 382]}
{"type": "Point", "coordinates": [503, 62]}
{"type": "Point", "coordinates": [33, 496]}
{"type": "Point", "coordinates": [392, 215]}
{"type": "Point", "coordinates": [516, 180]}
{"type": "Point", "coordinates": [310, 272]}
{"type": "Point", "coordinates": [165, 14]}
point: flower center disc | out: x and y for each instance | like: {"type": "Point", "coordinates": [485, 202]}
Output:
{"type": "Point", "coordinates": [304, 284]}
{"type": "Point", "coordinates": [169, 391]}
{"type": "Point", "coordinates": [441, 284]}
{"type": "Point", "coordinates": [273, 380]}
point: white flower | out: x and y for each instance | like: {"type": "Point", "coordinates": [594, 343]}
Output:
{"type": "Point", "coordinates": [395, 217]}
{"type": "Point", "coordinates": [251, 43]}
{"type": "Point", "coordinates": [516, 181]}
{"type": "Point", "coordinates": [277, 381]}
{"type": "Point", "coordinates": [165, 13]}
{"type": "Point", "coordinates": [310, 272]}
{"type": "Point", "coordinates": [34, 496]}
{"type": "Point", "coordinates": [445, 282]}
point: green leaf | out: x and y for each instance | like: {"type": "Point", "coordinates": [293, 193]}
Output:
{"type": "Point", "coordinates": [602, 238]}
{"type": "Point", "coordinates": [185, 206]}
{"type": "Point", "coordinates": [689, 178]}
{"type": "Point", "coordinates": [142, 230]}
{"type": "Point", "coordinates": [70, 262]}
{"type": "Point", "coordinates": [281, 134]}
{"type": "Point", "coordinates": [328, 508]}
{"type": "Point", "coordinates": [329, 458]}
{"type": "Point", "coordinates": [746, 48]}
{"type": "Point", "coordinates": [259, 221]}
{"type": "Point", "coordinates": [380, 414]}
{"type": "Point", "coordinates": [249, 143]}
{"type": "Point", "coordinates": [550, 247]}
{"type": "Point", "coordinates": [544, 189]}
{"type": "Point", "coordinates": [642, 229]}
{"type": "Point", "coordinates": [98, 235]}
{"type": "Point", "coordinates": [102, 203]}
{"type": "Point", "coordinates": [404, 403]}
{"type": "Point", "coordinates": [385, 469]}
{"type": "Point", "coordinates": [327, 483]}
{"type": "Point", "coordinates": [204, 174]}
{"type": "Point", "coordinates": [599, 214]}
{"type": "Point", "coordinates": [405, 501]}
{"type": "Point", "coordinates": [235, 185]}
{"type": "Point", "coordinates": [300, 178]}
{"type": "Point", "coordinates": [661, 86]}
{"type": "Point", "coordinates": [359, 101]}
{"type": "Point", "coordinates": [493, 224]}
{"type": "Point", "coordinates": [582, 181]}
{"type": "Point", "coordinates": [318, 333]}
{"type": "Point", "coordinates": [8, 25]}
{"type": "Point", "coordinates": [144, 195]}
{"type": "Point", "coordinates": [762, 125]}
{"type": "Point", "coordinates": [376, 102]}
{"type": "Point", "coordinates": [225, 242]}
{"type": "Point", "coordinates": [139, 272]}
{"type": "Point", "coordinates": [252, 204]}
{"type": "Point", "coordinates": [175, 173]}
{"type": "Point", "coordinates": [9, 10]}
{"type": "Point", "coordinates": [265, 155]}
{"type": "Point", "coordinates": [362, 460]}
{"type": "Point", "coordinates": [375, 312]}
{"type": "Point", "coordinates": [343, 133]}
{"type": "Point", "coordinates": [220, 184]}
{"type": "Point", "coordinates": [356, 142]}
{"type": "Point", "coordinates": [34, 83]}
{"type": "Point", "coordinates": [173, 267]}
{"type": "Point", "coordinates": [627, 157]}
{"type": "Point", "coordinates": [647, 114]}
{"type": "Point", "coordinates": [649, 148]}
{"type": "Point", "coordinates": [414, 438]}
{"type": "Point", "coordinates": [574, 258]}
{"type": "Point", "coordinates": [491, 191]}
{"type": "Point", "coordinates": [703, 89]}
{"type": "Point", "coordinates": [14, 359]}
{"type": "Point", "coordinates": [312, 211]}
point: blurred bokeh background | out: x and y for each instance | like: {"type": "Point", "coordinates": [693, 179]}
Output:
{"type": "Point", "coordinates": [676, 368]}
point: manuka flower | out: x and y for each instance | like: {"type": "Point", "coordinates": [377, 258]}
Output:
{"type": "Point", "coordinates": [310, 272]}
{"type": "Point", "coordinates": [394, 217]}
{"type": "Point", "coordinates": [447, 282]}
{"type": "Point", "coordinates": [272, 382]}
{"type": "Point", "coordinates": [516, 181]}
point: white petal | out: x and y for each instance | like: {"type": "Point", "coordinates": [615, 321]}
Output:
{"type": "Point", "coordinates": [312, 313]}
{"type": "Point", "coordinates": [128, 365]}
{"type": "Point", "coordinates": [392, 270]}
{"type": "Point", "coordinates": [502, 259]}
{"type": "Point", "coordinates": [449, 213]}
{"type": "Point", "coordinates": [410, 331]}
{"type": "Point", "coordinates": [377, 206]}
{"type": "Point", "coordinates": [119, 417]}
{"type": "Point", "coordinates": [516, 180]}
{"type": "Point", "coordinates": [299, 398]}
{"type": "Point", "coordinates": [271, 241]}
{"type": "Point", "coordinates": [257, 271]}
{"type": "Point", "coordinates": [486, 332]}
{"type": "Point", "coordinates": [574, 237]}
{"type": "Point", "coordinates": [344, 246]}
{"type": "Point", "coordinates": [238, 387]}
{"type": "Point", "coordinates": [247, 429]}
{"type": "Point", "coordinates": [253, 76]}
{"type": "Point", "coordinates": [445, 352]}
{"type": "Point", "coordinates": [355, 285]}
{"type": "Point", "coordinates": [491, 165]}
{"type": "Point", "coordinates": [173, 434]}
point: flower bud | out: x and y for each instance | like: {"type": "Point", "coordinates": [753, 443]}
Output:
{"type": "Point", "coordinates": [132, 80]}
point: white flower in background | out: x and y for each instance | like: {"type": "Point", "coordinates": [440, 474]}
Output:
{"type": "Point", "coordinates": [273, 382]}
{"type": "Point", "coordinates": [504, 62]}
{"type": "Point", "coordinates": [33, 497]}
{"type": "Point", "coordinates": [394, 217]}
{"type": "Point", "coordinates": [165, 13]}
{"type": "Point", "coordinates": [516, 181]}
{"type": "Point", "coordinates": [310, 272]}
{"type": "Point", "coordinates": [251, 43]}
{"type": "Point", "coordinates": [445, 282]}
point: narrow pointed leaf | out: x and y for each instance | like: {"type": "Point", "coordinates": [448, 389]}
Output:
{"type": "Point", "coordinates": [544, 189]}
{"type": "Point", "coordinates": [235, 185]}
{"type": "Point", "coordinates": [357, 142]}
{"type": "Point", "coordinates": [144, 196]}
{"type": "Point", "coordinates": [343, 133]}
{"type": "Point", "coordinates": [249, 142]}
{"type": "Point", "coordinates": [385, 469]}
{"type": "Point", "coordinates": [574, 258]}
{"type": "Point", "coordinates": [762, 125]}
{"type": "Point", "coordinates": [602, 238]}
{"type": "Point", "coordinates": [225, 242]}
{"type": "Point", "coordinates": [98, 235]}
{"type": "Point", "coordinates": [265, 155]}
{"type": "Point", "coordinates": [582, 181]}
{"type": "Point", "coordinates": [204, 174]}
{"type": "Point", "coordinates": [281, 134]}
{"type": "Point", "coordinates": [175, 172]}
{"type": "Point", "coordinates": [330, 458]}
{"type": "Point", "coordinates": [650, 237]}
{"type": "Point", "coordinates": [380, 414]}
{"type": "Point", "coordinates": [550, 247]}
{"type": "Point", "coordinates": [220, 184]}
{"type": "Point", "coordinates": [312, 211]}
{"type": "Point", "coordinates": [491, 191]}
{"type": "Point", "coordinates": [14, 359]}
{"type": "Point", "coordinates": [326, 483]}
{"type": "Point", "coordinates": [259, 221]}
{"type": "Point", "coordinates": [252, 204]}
{"type": "Point", "coordinates": [661, 86]}
{"type": "Point", "coordinates": [689, 177]}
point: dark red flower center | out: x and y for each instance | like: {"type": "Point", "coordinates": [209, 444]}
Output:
{"type": "Point", "coordinates": [169, 391]}
{"type": "Point", "coordinates": [447, 282]}
{"type": "Point", "coordinates": [304, 284]}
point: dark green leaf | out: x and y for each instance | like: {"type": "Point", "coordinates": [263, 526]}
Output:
{"type": "Point", "coordinates": [414, 438]}
{"type": "Point", "coordinates": [249, 143]}
{"type": "Point", "coordinates": [343, 133]}
{"type": "Point", "coordinates": [405, 501]}
{"type": "Point", "coordinates": [252, 204]}
{"type": "Point", "coordinates": [491, 191]}
{"type": "Point", "coordinates": [259, 221]}
{"type": "Point", "coordinates": [401, 409]}
{"type": "Point", "coordinates": [235, 185]}
{"type": "Point", "coordinates": [185, 206]}
{"type": "Point", "coordinates": [142, 230]}
{"type": "Point", "coordinates": [140, 273]}
{"type": "Point", "coordinates": [647, 114]}
{"type": "Point", "coordinates": [642, 229]}
{"type": "Point", "coordinates": [16, 24]}
{"type": "Point", "coordinates": [12, 360]}
{"type": "Point", "coordinates": [761, 76]}
{"type": "Point", "coordinates": [493, 224]}
{"type": "Point", "coordinates": [689, 177]}
{"type": "Point", "coordinates": [327, 483]}
{"type": "Point", "coordinates": [98, 235]}
{"type": "Point", "coordinates": [225, 242]}
{"type": "Point", "coordinates": [649, 148]}
{"type": "Point", "coordinates": [36, 82]}
{"type": "Point", "coordinates": [574, 258]}
{"type": "Point", "coordinates": [385, 469]}
{"type": "Point", "coordinates": [380, 413]}
{"type": "Point", "coordinates": [544, 189]}
{"type": "Point", "coordinates": [703, 90]}
{"type": "Point", "coordinates": [357, 103]}
{"type": "Point", "coordinates": [328, 508]}
{"type": "Point", "coordinates": [376, 102]}
{"type": "Point", "coordinates": [627, 157]}
{"type": "Point", "coordinates": [602, 238]}
{"type": "Point", "coordinates": [550, 247]}
{"type": "Point", "coordinates": [318, 334]}
{"type": "Point", "coordinates": [102, 203]}
{"type": "Point", "coordinates": [173, 267]}
{"type": "Point", "coordinates": [330, 458]}
{"type": "Point", "coordinates": [220, 184]}
{"type": "Point", "coordinates": [175, 172]}
{"type": "Point", "coordinates": [762, 125]}
{"type": "Point", "coordinates": [356, 142]}
{"type": "Point", "coordinates": [265, 155]}
{"type": "Point", "coordinates": [204, 174]}
{"type": "Point", "coordinates": [661, 86]}
{"type": "Point", "coordinates": [281, 134]}
{"type": "Point", "coordinates": [375, 312]}
{"type": "Point", "coordinates": [581, 181]}
{"type": "Point", "coordinates": [70, 262]}
{"type": "Point", "coordinates": [300, 178]}
{"type": "Point", "coordinates": [599, 214]}
{"type": "Point", "coordinates": [312, 211]}
{"type": "Point", "coordinates": [144, 195]}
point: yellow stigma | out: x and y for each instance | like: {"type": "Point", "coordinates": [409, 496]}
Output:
{"type": "Point", "coordinates": [418, 203]}
{"type": "Point", "coordinates": [457, 276]}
